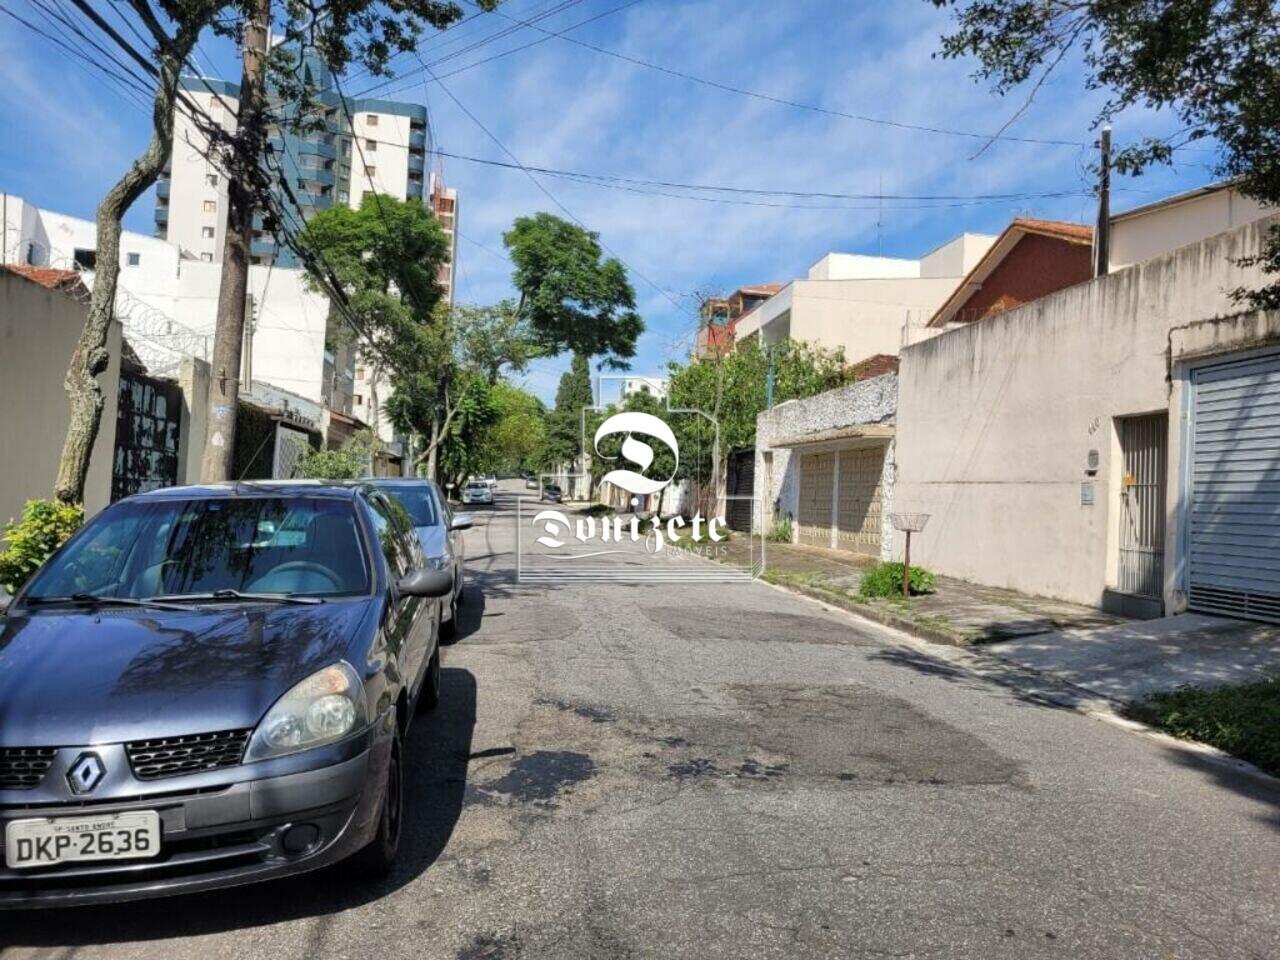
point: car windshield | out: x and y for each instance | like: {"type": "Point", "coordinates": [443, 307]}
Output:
{"type": "Point", "coordinates": [417, 501]}
{"type": "Point", "coordinates": [299, 546]}
{"type": "Point", "coordinates": [480, 487]}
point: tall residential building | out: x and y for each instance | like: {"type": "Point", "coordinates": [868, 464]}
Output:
{"type": "Point", "coordinates": [360, 147]}
{"type": "Point", "coordinates": [444, 205]}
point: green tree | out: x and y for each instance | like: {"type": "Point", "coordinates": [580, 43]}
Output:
{"type": "Point", "coordinates": [572, 297]}
{"type": "Point", "coordinates": [564, 422]}
{"type": "Point", "coordinates": [732, 391]}
{"type": "Point", "coordinates": [350, 462]}
{"type": "Point", "coordinates": [1216, 65]}
{"type": "Point", "coordinates": [342, 32]}
{"type": "Point", "coordinates": [518, 434]}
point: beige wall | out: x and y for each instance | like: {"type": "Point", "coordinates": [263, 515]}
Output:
{"type": "Point", "coordinates": [38, 332]}
{"type": "Point", "coordinates": [1159, 230]}
{"type": "Point", "coordinates": [996, 419]}
{"type": "Point", "coordinates": [864, 317]}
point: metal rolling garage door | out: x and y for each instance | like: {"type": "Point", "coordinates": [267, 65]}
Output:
{"type": "Point", "coordinates": [817, 483]}
{"type": "Point", "coordinates": [1234, 524]}
{"type": "Point", "coordinates": [858, 509]}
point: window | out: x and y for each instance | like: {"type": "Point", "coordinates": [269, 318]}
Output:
{"type": "Point", "coordinates": [211, 179]}
{"type": "Point", "coordinates": [359, 373]}
{"type": "Point", "coordinates": [211, 206]}
{"type": "Point", "coordinates": [310, 546]}
{"type": "Point", "coordinates": [357, 399]}
{"type": "Point", "coordinates": [85, 259]}
{"type": "Point", "coordinates": [207, 257]}
{"type": "Point", "coordinates": [134, 259]}
{"type": "Point", "coordinates": [207, 232]}
{"type": "Point", "coordinates": [371, 145]}
{"type": "Point", "coordinates": [370, 171]}
{"type": "Point", "coordinates": [373, 119]}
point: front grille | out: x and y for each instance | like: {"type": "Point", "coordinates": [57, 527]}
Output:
{"type": "Point", "coordinates": [22, 768]}
{"type": "Point", "coordinates": [174, 756]}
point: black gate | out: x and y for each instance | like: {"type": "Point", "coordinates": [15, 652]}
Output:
{"type": "Point", "coordinates": [740, 484]}
{"type": "Point", "coordinates": [147, 423]}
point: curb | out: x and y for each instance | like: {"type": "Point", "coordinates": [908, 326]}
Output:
{"type": "Point", "coordinates": [1035, 684]}
{"type": "Point", "coordinates": [878, 615]}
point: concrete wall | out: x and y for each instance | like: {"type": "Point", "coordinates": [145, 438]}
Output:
{"type": "Point", "coordinates": [189, 186]}
{"type": "Point", "coordinates": [38, 333]}
{"type": "Point", "coordinates": [863, 317]}
{"type": "Point", "coordinates": [996, 419]}
{"type": "Point", "coordinates": [777, 470]}
{"type": "Point", "coordinates": [1161, 228]}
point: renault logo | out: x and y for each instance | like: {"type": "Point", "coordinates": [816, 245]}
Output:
{"type": "Point", "coordinates": [86, 773]}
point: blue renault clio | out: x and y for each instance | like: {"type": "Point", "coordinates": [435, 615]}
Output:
{"type": "Point", "coordinates": [210, 686]}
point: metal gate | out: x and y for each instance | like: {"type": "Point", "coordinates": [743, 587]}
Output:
{"type": "Point", "coordinates": [1234, 522]}
{"type": "Point", "coordinates": [148, 419]}
{"type": "Point", "coordinates": [817, 479]}
{"type": "Point", "coordinates": [858, 509]}
{"type": "Point", "coordinates": [740, 489]}
{"type": "Point", "coordinates": [1143, 450]}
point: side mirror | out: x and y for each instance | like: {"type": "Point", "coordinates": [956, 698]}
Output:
{"type": "Point", "coordinates": [463, 521]}
{"type": "Point", "coordinates": [426, 583]}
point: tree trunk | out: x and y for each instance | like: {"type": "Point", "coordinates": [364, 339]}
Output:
{"type": "Point", "coordinates": [433, 449]}
{"type": "Point", "coordinates": [228, 338]}
{"type": "Point", "coordinates": [91, 358]}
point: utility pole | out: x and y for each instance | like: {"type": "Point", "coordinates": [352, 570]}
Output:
{"type": "Point", "coordinates": [228, 337]}
{"type": "Point", "coordinates": [1102, 231]}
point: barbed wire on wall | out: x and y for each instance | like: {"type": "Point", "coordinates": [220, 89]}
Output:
{"type": "Point", "coordinates": [159, 340]}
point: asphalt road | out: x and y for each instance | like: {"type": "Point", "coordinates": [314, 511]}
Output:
{"type": "Point", "coordinates": [706, 771]}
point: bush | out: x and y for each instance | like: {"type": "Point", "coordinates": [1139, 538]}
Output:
{"type": "Point", "coordinates": [44, 527]}
{"type": "Point", "coordinates": [885, 580]}
{"type": "Point", "coordinates": [349, 463]}
{"type": "Point", "coordinates": [1243, 721]}
{"type": "Point", "coordinates": [780, 532]}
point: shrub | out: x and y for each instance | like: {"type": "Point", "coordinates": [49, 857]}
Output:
{"type": "Point", "coordinates": [885, 580]}
{"type": "Point", "coordinates": [44, 527]}
{"type": "Point", "coordinates": [349, 463]}
{"type": "Point", "coordinates": [780, 532]}
{"type": "Point", "coordinates": [1243, 721]}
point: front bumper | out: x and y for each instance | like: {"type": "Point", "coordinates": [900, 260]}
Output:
{"type": "Point", "coordinates": [217, 836]}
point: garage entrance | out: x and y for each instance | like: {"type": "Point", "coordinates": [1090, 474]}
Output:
{"type": "Point", "coordinates": [1234, 515]}
{"type": "Point", "coordinates": [817, 483]}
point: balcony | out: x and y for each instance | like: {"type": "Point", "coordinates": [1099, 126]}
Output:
{"type": "Point", "coordinates": [313, 200]}
{"type": "Point", "coordinates": [417, 139]}
{"type": "Point", "coordinates": [416, 162]}
{"type": "Point", "coordinates": [162, 214]}
{"type": "Point", "coordinates": [264, 247]}
{"type": "Point", "coordinates": [414, 190]}
{"type": "Point", "coordinates": [318, 148]}
{"type": "Point", "coordinates": [325, 178]}
{"type": "Point", "coordinates": [162, 187]}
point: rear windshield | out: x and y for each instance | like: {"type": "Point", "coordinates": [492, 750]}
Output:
{"type": "Point", "coordinates": [417, 501]}
{"type": "Point", "coordinates": [306, 546]}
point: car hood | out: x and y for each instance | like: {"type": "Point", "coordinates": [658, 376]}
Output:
{"type": "Point", "coordinates": [75, 676]}
{"type": "Point", "coordinates": [433, 540]}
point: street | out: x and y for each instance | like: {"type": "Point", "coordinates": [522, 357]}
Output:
{"type": "Point", "coordinates": [726, 770]}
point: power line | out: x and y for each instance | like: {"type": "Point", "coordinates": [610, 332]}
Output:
{"type": "Point", "coordinates": [754, 191]}
{"type": "Point", "coordinates": [542, 187]}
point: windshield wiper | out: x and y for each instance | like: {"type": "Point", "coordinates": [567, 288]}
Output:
{"type": "Point", "coordinates": [229, 594]}
{"type": "Point", "coordinates": [94, 598]}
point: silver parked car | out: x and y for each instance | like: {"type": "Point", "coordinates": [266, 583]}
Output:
{"type": "Point", "coordinates": [438, 532]}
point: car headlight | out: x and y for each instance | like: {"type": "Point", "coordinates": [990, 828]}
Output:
{"type": "Point", "coordinates": [323, 708]}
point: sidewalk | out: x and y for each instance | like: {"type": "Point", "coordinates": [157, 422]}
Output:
{"type": "Point", "coordinates": [957, 612]}
{"type": "Point", "coordinates": [1101, 656]}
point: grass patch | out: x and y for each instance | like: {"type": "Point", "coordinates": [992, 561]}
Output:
{"type": "Point", "coordinates": [1243, 721]}
{"type": "Point", "coordinates": [885, 580]}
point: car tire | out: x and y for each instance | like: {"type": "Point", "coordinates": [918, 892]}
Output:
{"type": "Point", "coordinates": [429, 696]}
{"type": "Point", "coordinates": [378, 857]}
{"type": "Point", "coordinates": [449, 628]}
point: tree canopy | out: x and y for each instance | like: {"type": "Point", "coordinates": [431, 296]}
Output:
{"type": "Point", "coordinates": [1216, 65]}
{"type": "Point", "coordinates": [571, 295]}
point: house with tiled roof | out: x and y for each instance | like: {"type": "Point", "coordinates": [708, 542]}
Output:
{"type": "Point", "coordinates": [1029, 260]}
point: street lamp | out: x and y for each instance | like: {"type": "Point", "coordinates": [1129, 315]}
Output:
{"type": "Point", "coordinates": [908, 523]}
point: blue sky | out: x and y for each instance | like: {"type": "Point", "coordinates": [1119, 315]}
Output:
{"type": "Point", "coordinates": [557, 105]}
